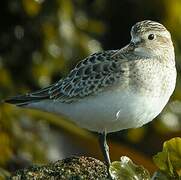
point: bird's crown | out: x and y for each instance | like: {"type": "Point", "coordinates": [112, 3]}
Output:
{"type": "Point", "coordinates": [147, 25]}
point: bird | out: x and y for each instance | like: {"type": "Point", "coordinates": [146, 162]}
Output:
{"type": "Point", "coordinates": [112, 90]}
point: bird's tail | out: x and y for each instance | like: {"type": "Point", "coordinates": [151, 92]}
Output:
{"type": "Point", "coordinates": [23, 100]}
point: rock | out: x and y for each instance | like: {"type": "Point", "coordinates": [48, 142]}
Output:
{"type": "Point", "coordinates": [74, 168]}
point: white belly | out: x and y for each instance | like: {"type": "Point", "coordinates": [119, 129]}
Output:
{"type": "Point", "coordinates": [110, 111]}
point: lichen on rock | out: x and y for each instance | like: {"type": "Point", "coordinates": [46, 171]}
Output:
{"type": "Point", "coordinates": [73, 168]}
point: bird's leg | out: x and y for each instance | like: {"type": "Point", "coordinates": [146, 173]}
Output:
{"type": "Point", "coordinates": [105, 151]}
{"type": "Point", "coordinates": [104, 148]}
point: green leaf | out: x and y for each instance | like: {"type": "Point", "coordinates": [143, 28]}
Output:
{"type": "Point", "coordinates": [126, 169]}
{"type": "Point", "coordinates": [169, 160]}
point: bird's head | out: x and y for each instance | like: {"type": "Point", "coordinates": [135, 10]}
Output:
{"type": "Point", "coordinates": [150, 39]}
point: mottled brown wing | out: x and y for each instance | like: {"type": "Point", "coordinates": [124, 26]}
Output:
{"type": "Point", "coordinates": [89, 77]}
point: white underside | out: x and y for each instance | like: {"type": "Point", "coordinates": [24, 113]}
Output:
{"type": "Point", "coordinates": [110, 110]}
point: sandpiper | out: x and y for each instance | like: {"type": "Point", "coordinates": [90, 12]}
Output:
{"type": "Point", "coordinates": [116, 89]}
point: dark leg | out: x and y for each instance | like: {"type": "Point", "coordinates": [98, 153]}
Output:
{"type": "Point", "coordinates": [104, 147]}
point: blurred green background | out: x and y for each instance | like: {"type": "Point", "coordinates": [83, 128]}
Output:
{"type": "Point", "coordinates": [40, 41]}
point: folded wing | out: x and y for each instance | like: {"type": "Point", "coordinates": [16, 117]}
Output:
{"type": "Point", "coordinates": [90, 76]}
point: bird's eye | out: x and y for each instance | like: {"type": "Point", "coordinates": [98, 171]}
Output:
{"type": "Point", "coordinates": [151, 36]}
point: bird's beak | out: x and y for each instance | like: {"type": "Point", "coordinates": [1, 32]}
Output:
{"type": "Point", "coordinates": [134, 44]}
{"type": "Point", "coordinates": [131, 46]}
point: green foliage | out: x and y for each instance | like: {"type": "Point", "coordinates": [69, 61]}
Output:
{"type": "Point", "coordinates": [126, 169]}
{"type": "Point", "coordinates": [169, 160]}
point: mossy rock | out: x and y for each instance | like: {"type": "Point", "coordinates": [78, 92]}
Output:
{"type": "Point", "coordinates": [74, 168]}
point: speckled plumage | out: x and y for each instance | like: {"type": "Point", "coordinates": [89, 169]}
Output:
{"type": "Point", "coordinates": [118, 89]}
{"type": "Point", "coordinates": [147, 25]}
{"type": "Point", "coordinates": [89, 77]}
